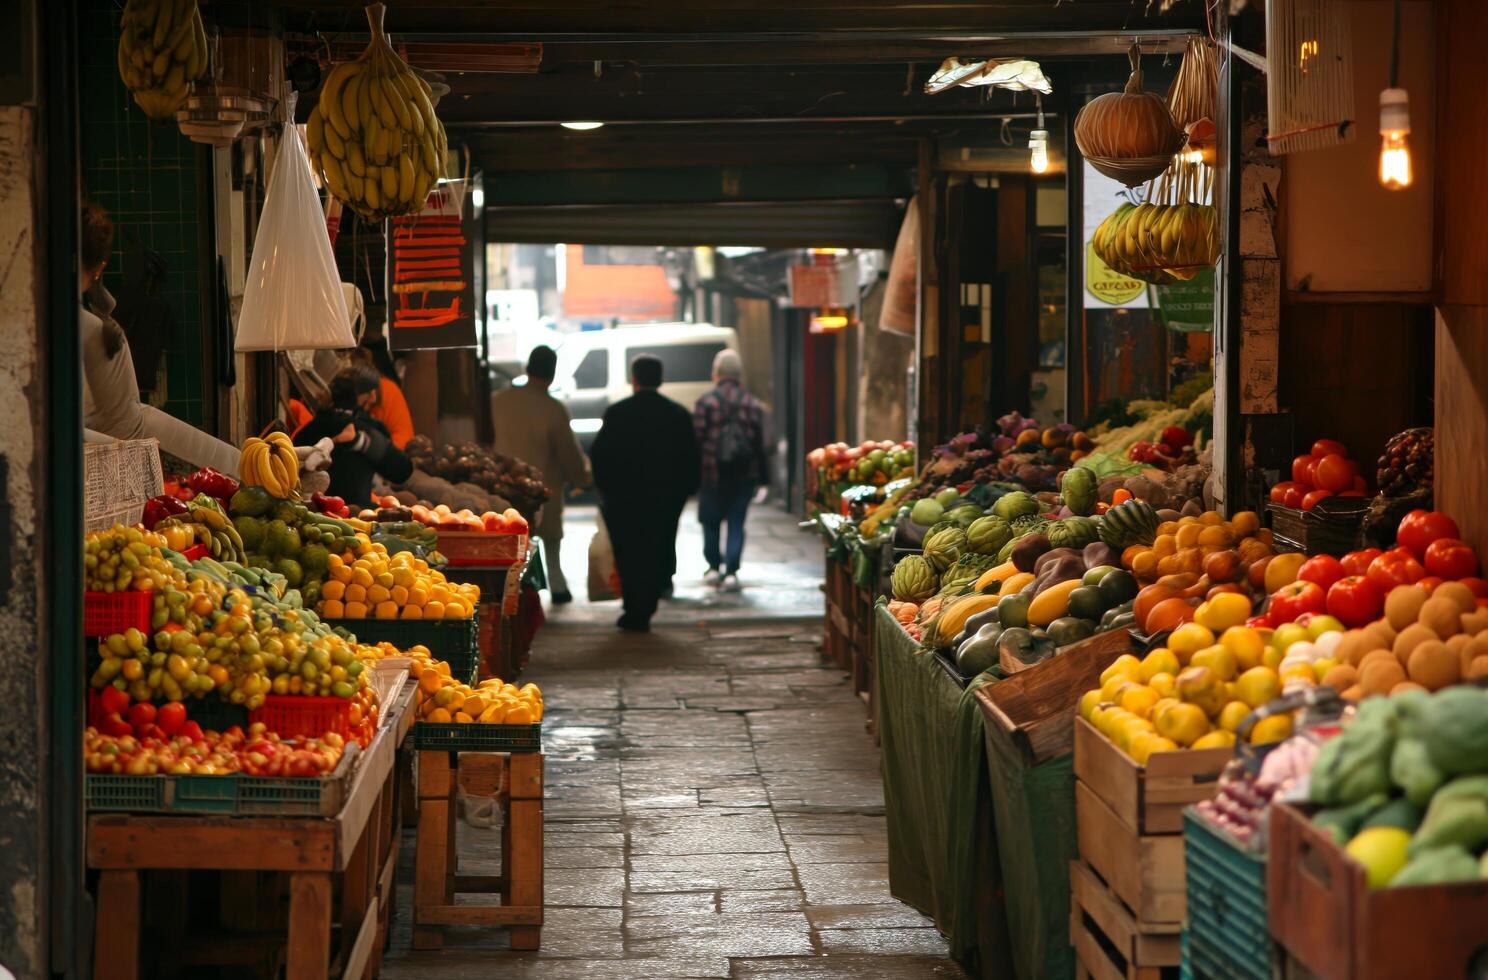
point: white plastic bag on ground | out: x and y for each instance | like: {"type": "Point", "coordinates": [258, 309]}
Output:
{"type": "Point", "coordinates": [604, 580]}
{"type": "Point", "coordinates": [292, 298]}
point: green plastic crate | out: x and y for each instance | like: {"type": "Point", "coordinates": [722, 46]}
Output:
{"type": "Point", "coordinates": [455, 641]}
{"type": "Point", "coordinates": [109, 792]}
{"type": "Point", "coordinates": [1226, 937]}
{"type": "Point", "coordinates": [477, 738]}
{"type": "Point", "coordinates": [205, 794]}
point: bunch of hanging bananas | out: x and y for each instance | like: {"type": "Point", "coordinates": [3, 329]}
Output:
{"type": "Point", "coordinates": [1158, 243]}
{"type": "Point", "coordinates": [272, 464]}
{"type": "Point", "coordinates": [374, 135]}
{"type": "Point", "coordinates": [162, 50]}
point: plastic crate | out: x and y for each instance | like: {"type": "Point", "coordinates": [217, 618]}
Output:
{"type": "Point", "coordinates": [471, 548]}
{"type": "Point", "coordinates": [477, 738]}
{"type": "Point", "coordinates": [205, 794]}
{"type": "Point", "coordinates": [455, 641]}
{"type": "Point", "coordinates": [106, 791]}
{"type": "Point", "coordinates": [107, 613]}
{"type": "Point", "coordinates": [196, 551]}
{"type": "Point", "coordinates": [292, 715]}
{"type": "Point", "coordinates": [1226, 936]}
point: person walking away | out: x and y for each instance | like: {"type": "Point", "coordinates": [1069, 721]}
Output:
{"type": "Point", "coordinates": [646, 466]}
{"type": "Point", "coordinates": [363, 448]}
{"type": "Point", "coordinates": [730, 427]}
{"type": "Point", "coordinates": [111, 398]}
{"type": "Point", "coordinates": [532, 425]}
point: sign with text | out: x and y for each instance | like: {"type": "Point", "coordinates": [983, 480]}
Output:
{"type": "Point", "coordinates": [431, 273]}
{"type": "Point", "coordinates": [1104, 287]}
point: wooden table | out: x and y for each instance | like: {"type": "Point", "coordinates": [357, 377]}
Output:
{"type": "Point", "coordinates": [359, 845]}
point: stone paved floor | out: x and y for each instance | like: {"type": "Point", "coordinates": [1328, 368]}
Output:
{"type": "Point", "coordinates": [713, 809]}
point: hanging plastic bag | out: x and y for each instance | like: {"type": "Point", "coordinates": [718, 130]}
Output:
{"type": "Point", "coordinates": [604, 580]}
{"type": "Point", "coordinates": [293, 298]}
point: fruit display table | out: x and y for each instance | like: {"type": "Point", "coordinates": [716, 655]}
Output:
{"type": "Point", "coordinates": [942, 848]}
{"type": "Point", "coordinates": [352, 855]}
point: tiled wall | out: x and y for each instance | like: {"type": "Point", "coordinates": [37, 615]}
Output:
{"type": "Point", "coordinates": [145, 175]}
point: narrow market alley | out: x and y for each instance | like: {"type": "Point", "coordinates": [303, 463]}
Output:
{"type": "Point", "coordinates": [714, 806]}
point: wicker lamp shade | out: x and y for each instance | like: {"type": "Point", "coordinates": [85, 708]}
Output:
{"type": "Point", "coordinates": [1130, 135]}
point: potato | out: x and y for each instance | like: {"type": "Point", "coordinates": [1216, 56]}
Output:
{"type": "Point", "coordinates": [1383, 633]}
{"type": "Point", "coordinates": [1403, 605]}
{"type": "Point", "coordinates": [1411, 637]}
{"type": "Point", "coordinates": [1355, 693]}
{"type": "Point", "coordinates": [1475, 622]}
{"type": "Point", "coordinates": [1475, 648]}
{"type": "Point", "coordinates": [1433, 666]}
{"type": "Point", "coordinates": [1405, 686]}
{"type": "Point", "coordinates": [1443, 615]}
{"type": "Point", "coordinates": [1341, 677]}
{"type": "Point", "coordinates": [1477, 670]}
{"type": "Point", "coordinates": [1458, 593]}
{"type": "Point", "coordinates": [1373, 655]}
{"type": "Point", "coordinates": [1380, 675]}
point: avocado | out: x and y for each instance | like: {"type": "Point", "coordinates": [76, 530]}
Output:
{"type": "Point", "coordinates": [1022, 645]}
{"type": "Point", "coordinates": [1118, 586]}
{"type": "Point", "coordinates": [1094, 575]}
{"type": "Point", "coordinates": [1012, 610]}
{"type": "Point", "coordinates": [1070, 629]}
{"type": "Point", "coordinates": [1087, 602]}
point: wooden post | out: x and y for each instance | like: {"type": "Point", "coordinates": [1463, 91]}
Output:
{"type": "Point", "coordinates": [436, 797]}
{"type": "Point", "coordinates": [309, 925]}
{"type": "Point", "coordinates": [524, 827]}
{"type": "Point", "coordinates": [117, 926]}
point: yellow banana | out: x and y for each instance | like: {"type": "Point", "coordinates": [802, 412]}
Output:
{"type": "Point", "coordinates": [330, 97]}
{"type": "Point", "coordinates": [355, 160]}
{"type": "Point", "coordinates": [390, 183]}
{"type": "Point", "coordinates": [405, 179]}
{"type": "Point", "coordinates": [315, 133]}
{"type": "Point", "coordinates": [350, 102]}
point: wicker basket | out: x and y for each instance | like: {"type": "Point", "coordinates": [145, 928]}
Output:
{"type": "Point", "coordinates": [1132, 171]}
{"type": "Point", "coordinates": [118, 477]}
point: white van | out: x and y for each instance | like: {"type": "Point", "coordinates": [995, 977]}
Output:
{"type": "Point", "coordinates": [594, 367]}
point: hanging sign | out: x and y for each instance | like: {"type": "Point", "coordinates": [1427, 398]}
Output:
{"type": "Point", "coordinates": [1104, 287]}
{"type": "Point", "coordinates": [431, 273]}
{"type": "Point", "coordinates": [1188, 306]}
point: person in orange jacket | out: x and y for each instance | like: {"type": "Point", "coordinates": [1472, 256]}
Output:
{"type": "Point", "coordinates": [390, 408]}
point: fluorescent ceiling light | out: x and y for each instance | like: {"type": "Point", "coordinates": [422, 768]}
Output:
{"type": "Point", "coordinates": [581, 125]}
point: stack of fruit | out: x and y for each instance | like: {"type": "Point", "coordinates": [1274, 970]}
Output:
{"type": "Point", "coordinates": [1405, 787]}
{"type": "Point", "coordinates": [444, 700]}
{"type": "Point", "coordinates": [257, 752]}
{"type": "Point", "coordinates": [125, 559]}
{"type": "Point", "coordinates": [1326, 471]}
{"type": "Point", "coordinates": [377, 585]}
{"type": "Point", "coordinates": [515, 483]}
{"type": "Point", "coordinates": [872, 462]}
{"type": "Point", "coordinates": [272, 464]}
{"type": "Point", "coordinates": [162, 50]}
{"type": "Point", "coordinates": [290, 539]}
{"type": "Point", "coordinates": [374, 135]}
{"type": "Point", "coordinates": [1194, 693]}
{"type": "Point", "coordinates": [1408, 463]}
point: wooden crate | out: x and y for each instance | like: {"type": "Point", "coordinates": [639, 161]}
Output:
{"type": "Point", "coordinates": [1326, 918]}
{"type": "Point", "coordinates": [1148, 799]}
{"type": "Point", "coordinates": [1144, 870]}
{"type": "Point", "coordinates": [1037, 706]}
{"type": "Point", "coordinates": [1110, 944]}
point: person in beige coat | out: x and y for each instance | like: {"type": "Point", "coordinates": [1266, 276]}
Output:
{"type": "Point", "coordinates": [533, 426]}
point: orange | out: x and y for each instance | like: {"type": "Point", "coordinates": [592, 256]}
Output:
{"type": "Point", "coordinates": [356, 610]}
{"type": "Point", "coordinates": [387, 610]}
{"type": "Point", "coordinates": [332, 589]}
{"type": "Point", "coordinates": [433, 610]}
{"type": "Point", "coordinates": [361, 576]}
{"type": "Point", "coordinates": [332, 608]}
{"type": "Point", "coordinates": [412, 612]}
{"type": "Point", "coordinates": [377, 594]}
{"type": "Point", "coordinates": [356, 593]}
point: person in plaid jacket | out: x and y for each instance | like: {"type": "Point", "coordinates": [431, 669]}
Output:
{"type": "Point", "coordinates": [730, 426]}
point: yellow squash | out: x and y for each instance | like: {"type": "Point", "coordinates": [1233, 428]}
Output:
{"type": "Point", "coordinates": [1051, 603]}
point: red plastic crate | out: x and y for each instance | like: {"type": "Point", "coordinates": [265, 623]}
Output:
{"type": "Point", "coordinates": [107, 613]}
{"type": "Point", "coordinates": [195, 552]}
{"type": "Point", "coordinates": [470, 548]}
{"type": "Point", "coordinates": [293, 715]}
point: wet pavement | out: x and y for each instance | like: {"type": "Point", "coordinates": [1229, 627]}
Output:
{"type": "Point", "coordinates": [713, 804]}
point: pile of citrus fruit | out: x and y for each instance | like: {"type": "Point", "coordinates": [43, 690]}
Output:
{"type": "Point", "coordinates": [401, 586]}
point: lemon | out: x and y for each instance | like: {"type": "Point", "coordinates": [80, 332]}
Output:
{"type": "Point", "coordinates": [1321, 667]}
{"type": "Point", "coordinates": [1232, 714]}
{"type": "Point", "coordinates": [1200, 687]}
{"type": "Point", "coordinates": [1163, 684]}
{"type": "Point", "coordinates": [1223, 611]}
{"type": "Point", "coordinates": [1138, 700]}
{"type": "Point", "coordinates": [1217, 739]}
{"type": "Point", "coordinates": [1189, 639]}
{"type": "Point", "coordinates": [1143, 746]}
{"type": "Point", "coordinates": [1088, 702]}
{"type": "Point", "coordinates": [1183, 723]}
{"type": "Point", "coordinates": [1258, 685]}
{"type": "Point", "coordinates": [1272, 729]}
{"type": "Point", "coordinates": [1381, 850]}
{"type": "Point", "coordinates": [1218, 659]}
{"type": "Point", "coordinates": [1271, 657]}
{"type": "Point", "coordinates": [1159, 661]}
{"type": "Point", "coordinates": [1111, 689]}
{"type": "Point", "coordinates": [1246, 644]}
{"type": "Point", "coordinates": [1126, 666]}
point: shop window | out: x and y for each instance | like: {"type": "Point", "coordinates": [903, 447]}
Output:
{"type": "Point", "coordinates": [681, 363]}
{"type": "Point", "coordinates": [620, 255]}
{"type": "Point", "coordinates": [593, 371]}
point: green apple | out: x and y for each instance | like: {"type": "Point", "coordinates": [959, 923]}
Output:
{"type": "Point", "coordinates": [1319, 625]}
{"type": "Point", "coordinates": [1288, 633]}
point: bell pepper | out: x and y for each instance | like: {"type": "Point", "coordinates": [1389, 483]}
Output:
{"type": "Point", "coordinates": [326, 504]}
{"type": "Point", "coordinates": [212, 483]}
{"type": "Point", "coordinates": [159, 508]}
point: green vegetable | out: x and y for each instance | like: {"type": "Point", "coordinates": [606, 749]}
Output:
{"type": "Point", "coordinates": [913, 580]}
{"type": "Point", "coordinates": [1413, 771]}
{"type": "Point", "coordinates": [1437, 866]}
{"type": "Point", "coordinates": [1456, 730]}
{"type": "Point", "coordinates": [987, 535]}
{"type": "Point", "coordinates": [1343, 822]}
{"type": "Point", "coordinates": [1019, 503]}
{"type": "Point", "coordinates": [1400, 813]}
{"type": "Point", "coordinates": [1070, 629]}
{"type": "Point", "coordinates": [1012, 610]}
{"type": "Point", "coordinates": [943, 548]}
{"type": "Point", "coordinates": [979, 653]}
{"type": "Point", "coordinates": [1356, 764]}
{"type": "Point", "coordinates": [1458, 814]}
{"type": "Point", "coordinates": [1078, 487]}
{"type": "Point", "coordinates": [1087, 602]}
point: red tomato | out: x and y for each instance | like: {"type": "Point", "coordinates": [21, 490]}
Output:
{"type": "Point", "coordinates": [1451, 558]}
{"type": "Point", "coordinates": [190, 730]}
{"type": "Point", "coordinates": [141, 714]}
{"type": "Point", "coordinates": [1295, 494]}
{"type": "Point", "coordinates": [1355, 601]}
{"type": "Point", "coordinates": [113, 701]}
{"type": "Point", "coordinates": [1302, 469]}
{"type": "Point", "coordinates": [1357, 562]}
{"type": "Point", "coordinates": [1311, 500]}
{"type": "Point", "coordinates": [1479, 586]}
{"type": "Point", "coordinates": [1394, 567]}
{"type": "Point", "coordinates": [170, 717]}
{"type": "Point", "coordinates": [1296, 599]}
{"type": "Point", "coordinates": [1279, 492]}
{"type": "Point", "coordinates": [1335, 473]}
{"type": "Point", "coordinates": [1430, 582]}
{"type": "Point", "coordinates": [1259, 622]}
{"type": "Point", "coordinates": [1324, 447]}
{"type": "Point", "coordinates": [1421, 527]}
{"type": "Point", "coordinates": [1322, 569]}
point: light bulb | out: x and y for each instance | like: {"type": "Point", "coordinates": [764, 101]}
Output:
{"type": "Point", "coordinates": [1038, 146]}
{"type": "Point", "coordinates": [581, 125]}
{"type": "Point", "coordinates": [1395, 160]}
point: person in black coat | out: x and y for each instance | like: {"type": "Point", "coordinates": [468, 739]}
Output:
{"type": "Point", "coordinates": [363, 447]}
{"type": "Point", "coordinates": [646, 464]}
